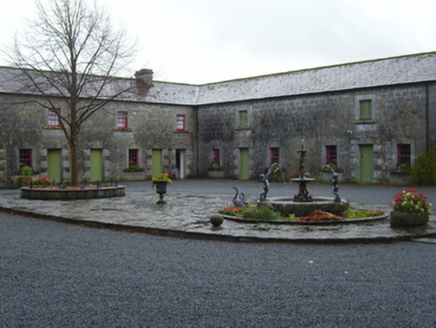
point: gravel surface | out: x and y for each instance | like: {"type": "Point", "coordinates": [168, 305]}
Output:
{"type": "Point", "coordinates": [59, 275]}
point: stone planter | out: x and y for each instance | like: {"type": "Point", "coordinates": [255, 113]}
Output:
{"type": "Point", "coordinates": [134, 176]}
{"type": "Point", "coordinates": [399, 178]}
{"type": "Point", "coordinates": [216, 174]}
{"type": "Point", "coordinates": [402, 219]}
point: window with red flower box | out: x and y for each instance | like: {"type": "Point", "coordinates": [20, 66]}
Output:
{"type": "Point", "coordinates": [26, 157]}
{"type": "Point", "coordinates": [274, 155]}
{"type": "Point", "coordinates": [122, 120]}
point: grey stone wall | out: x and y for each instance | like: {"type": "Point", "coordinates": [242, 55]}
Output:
{"type": "Point", "coordinates": [318, 120]}
{"type": "Point", "coordinates": [149, 127]}
{"type": "Point", "coordinates": [432, 114]}
{"type": "Point", "coordinates": [3, 165]}
{"type": "Point", "coordinates": [20, 128]}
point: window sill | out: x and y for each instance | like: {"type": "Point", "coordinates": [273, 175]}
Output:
{"type": "Point", "coordinates": [122, 130]}
{"type": "Point", "coordinates": [181, 131]}
{"type": "Point", "coordinates": [141, 170]}
{"type": "Point", "coordinates": [399, 173]}
{"type": "Point", "coordinates": [243, 127]}
{"type": "Point", "coordinates": [365, 122]}
{"type": "Point", "coordinates": [48, 127]}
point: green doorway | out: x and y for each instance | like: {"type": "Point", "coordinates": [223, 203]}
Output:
{"type": "Point", "coordinates": [96, 165]}
{"type": "Point", "coordinates": [156, 162]}
{"type": "Point", "coordinates": [245, 168]}
{"type": "Point", "coordinates": [366, 163]}
{"type": "Point", "coordinates": [54, 165]}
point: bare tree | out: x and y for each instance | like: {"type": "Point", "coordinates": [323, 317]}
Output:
{"type": "Point", "coordinates": [71, 52]}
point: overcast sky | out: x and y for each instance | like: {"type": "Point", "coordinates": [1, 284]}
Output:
{"type": "Point", "coordinates": [201, 41]}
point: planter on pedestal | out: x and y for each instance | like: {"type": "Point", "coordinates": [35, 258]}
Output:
{"type": "Point", "coordinates": [216, 174]}
{"type": "Point", "coordinates": [404, 219]}
{"type": "Point", "coordinates": [161, 189]}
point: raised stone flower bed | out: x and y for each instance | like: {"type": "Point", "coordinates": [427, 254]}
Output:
{"type": "Point", "coordinates": [72, 193]}
{"type": "Point", "coordinates": [289, 222]}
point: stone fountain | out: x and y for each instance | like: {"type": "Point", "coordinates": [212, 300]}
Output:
{"type": "Point", "coordinates": [303, 203]}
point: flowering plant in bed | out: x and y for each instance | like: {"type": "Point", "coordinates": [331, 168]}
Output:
{"type": "Point", "coordinates": [161, 177]}
{"type": "Point", "coordinates": [251, 212]}
{"type": "Point", "coordinates": [42, 181]}
{"type": "Point", "coordinates": [410, 201]}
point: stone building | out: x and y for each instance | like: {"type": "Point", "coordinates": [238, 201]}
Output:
{"type": "Point", "coordinates": [365, 118]}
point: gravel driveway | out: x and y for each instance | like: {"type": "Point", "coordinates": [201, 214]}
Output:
{"type": "Point", "coordinates": [59, 275]}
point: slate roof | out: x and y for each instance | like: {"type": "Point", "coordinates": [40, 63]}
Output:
{"type": "Point", "coordinates": [373, 73]}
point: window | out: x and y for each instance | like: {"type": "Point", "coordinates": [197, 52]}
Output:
{"type": "Point", "coordinates": [122, 120]}
{"type": "Point", "coordinates": [180, 123]}
{"type": "Point", "coordinates": [26, 157]}
{"type": "Point", "coordinates": [243, 118]}
{"type": "Point", "coordinates": [403, 154]}
{"type": "Point", "coordinates": [133, 157]}
{"type": "Point", "coordinates": [274, 155]}
{"type": "Point", "coordinates": [331, 155]}
{"type": "Point", "coordinates": [53, 119]}
{"type": "Point", "coordinates": [216, 156]}
{"type": "Point", "coordinates": [365, 109]}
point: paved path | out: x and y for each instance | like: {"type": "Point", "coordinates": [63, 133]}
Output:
{"type": "Point", "coordinates": [191, 202]}
{"type": "Point", "coordinates": [58, 275]}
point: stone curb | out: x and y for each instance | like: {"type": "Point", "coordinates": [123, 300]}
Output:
{"type": "Point", "coordinates": [209, 236]}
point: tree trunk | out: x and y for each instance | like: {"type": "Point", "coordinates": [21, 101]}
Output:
{"type": "Point", "coordinates": [74, 175]}
{"type": "Point", "coordinates": [74, 159]}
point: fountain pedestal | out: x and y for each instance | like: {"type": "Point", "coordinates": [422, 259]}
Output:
{"type": "Point", "coordinates": [303, 193]}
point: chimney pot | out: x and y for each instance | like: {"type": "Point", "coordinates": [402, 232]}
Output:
{"type": "Point", "coordinates": [144, 77]}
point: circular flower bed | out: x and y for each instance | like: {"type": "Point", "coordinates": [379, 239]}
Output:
{"type": "Point", "coordinates": [263, 214]}
{"type": "Point", "coordinates": [72, 193]}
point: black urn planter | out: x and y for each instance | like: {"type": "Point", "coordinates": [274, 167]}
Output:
{"type": "Point", "coordinates": [161, 189]}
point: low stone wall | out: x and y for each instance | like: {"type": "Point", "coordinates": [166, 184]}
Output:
{"type": "Point", "coordinates": [133, 176]}
{"type": "Point", "coordinates": [53, 194]}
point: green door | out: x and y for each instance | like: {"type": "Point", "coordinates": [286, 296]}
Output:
{"type": "Point", "coordinates": [245, 170]}
{"type": "Point", "coordinates": [156, 162]}
{"type": "Point", "coordinates": [54, 166]}
{"type": "Point", "coordinates": [366, 163]}
{"type": "Point", "coordinates": [96, 165]}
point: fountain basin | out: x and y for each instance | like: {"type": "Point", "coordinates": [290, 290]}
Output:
{"type": "Point", "coordinates": [299, 180]}
{"type": "Point", "coordinates": [286, 206]}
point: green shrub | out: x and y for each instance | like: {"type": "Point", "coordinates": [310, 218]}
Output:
{"type": "Point", "coordinates": [404, 168]}
{"type": "Point", "coordinates": [26, 170]}
{"type": "Point", "coordinates": [22, 181]}
{"type": "Point", "coordinates": [362, 214]}
{"type": "Point", "coordinates": [134, 168]}
{"type": "Point", "coordinates": [262, 213]}
{"type": "Point", "coordinates": [424, 171]}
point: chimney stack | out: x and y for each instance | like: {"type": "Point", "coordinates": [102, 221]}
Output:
{"type": "Point", "coordinates": [144, 78]}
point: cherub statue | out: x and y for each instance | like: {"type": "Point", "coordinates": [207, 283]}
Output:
{"type": "Point", "coordinates": [272, 169]}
